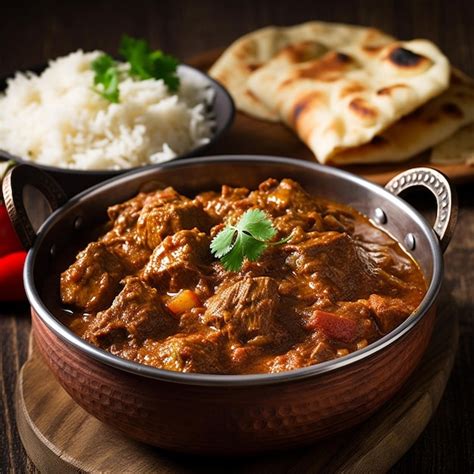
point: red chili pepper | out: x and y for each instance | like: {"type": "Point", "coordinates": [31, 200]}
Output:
{"type": "Point", "coordinates": [9, 241]}
{"type": "Point", "coordinates": [333, 326]}
{"type": "Point", "coordinates": [11, 276]}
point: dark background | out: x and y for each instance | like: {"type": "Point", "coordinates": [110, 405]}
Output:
{"type": "Point", "coordinates": [31, 33]}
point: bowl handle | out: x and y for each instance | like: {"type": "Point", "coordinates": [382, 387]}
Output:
{"type": "Point", "coordinates": [444, 192]}
{"type": "Point", "coordinates": [14, 182]}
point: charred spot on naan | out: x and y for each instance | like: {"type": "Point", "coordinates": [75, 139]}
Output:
{"type": "Point", "coordinates": [374, 41]}
{"type": "Point", "coordinates": [331, 67]}
{"type": "Point", "coordinates": [307, 102]}
{"type": "Point", "coordinates": [390, 89]}
{"type": "Point", "coordinates": [304, 105]}
{"type": "Point", "coordinates": [252, 66]}
{"type": "Point", "coordinates": [372, 50]}
{"type": "Point", "coordinates": [251, 95]}
{"type": "Point", "coordinates": [353, 88]}
{"type": "Point", "coordinates": [302, 52]}
{"type": "Point", "coordinates": [407, 62]}
{"type": "Point", "coordinates": [363, 110]}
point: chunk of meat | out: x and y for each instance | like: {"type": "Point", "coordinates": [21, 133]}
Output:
{"type": "Point", "coordinates": [136, 314]}
{"type": "Point", "coordinates": [339, 268]}
{"type": "Point", "coordinates": [178, 262]}
{"type": "Point", "coordinates": [124, 216]}
{"type": "Point", "coordinates": [277, 197]}
{"type": "Point", "coordinates": [312, 352]}
{"type": "Point", "coordinates": [93, 280]}
{"type": "Point", "coordinates": [361, 312]}
{"type": "Point", "coordinates": [156, 223]}
{"type": "Point", "coordinates": [131, 253]}
{"type": "Point", "coordinates": [197, 353]}
{"type": "Point", "coordinates": [389, 312]}
{"type": "Point", "coordinates": [246, 310]}
{"type": "Point", "coordinates": [227, 202]}
{"type": "Point", "coordinates": [333, 326]}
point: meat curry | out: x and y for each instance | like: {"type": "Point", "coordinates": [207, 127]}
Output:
{"type": "Point", "coordinates": [149, 289]}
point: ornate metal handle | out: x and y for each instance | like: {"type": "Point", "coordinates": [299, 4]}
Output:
{"type": "Point", "coordinates": [13, 186]}
{"type": "Point", "coordinates": [445, 194]}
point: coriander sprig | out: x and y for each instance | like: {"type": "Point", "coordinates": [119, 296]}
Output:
{"type": "Point", "coordinates": [144, 64]}
{"type": "Point", "coordinates": [148, 64]}
{"type": "Point", "coordinates": [107, 75]}
{"type": "Point", "coordinates": [249, 238]}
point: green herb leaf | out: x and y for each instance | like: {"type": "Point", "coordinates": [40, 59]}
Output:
{"type": "Point", "coordinates": [147, 64]}
{"type": "Point", "coordinates": [222, 243]}
{"type": "Point", "coordinates": [246, 240]}
{"type": "Point", "coordinates": [256, 223]}
{"type": "Point", "coordinates": [107, 77]}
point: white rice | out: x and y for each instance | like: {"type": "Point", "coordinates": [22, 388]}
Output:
{"type": "Point", "coordinates": [57, 118]}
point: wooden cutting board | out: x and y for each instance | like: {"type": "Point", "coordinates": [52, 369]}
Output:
{"type": "Point", "coordinates": [252, 136]}
{"type": "Point", "coordinates": [59, 436]}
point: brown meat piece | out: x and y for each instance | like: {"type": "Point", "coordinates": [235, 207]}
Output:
{"type": "Point", "coordinates": [339, 268]}
{"type": "Point", "coordinates": [136, 314]}
{"type": "Point", "coordinates": [125, 216]}
{"type": "Point", "coordinates": [133, 255]}
{"type": "Point", "coordinates": [302, 356]}
{"type": "Point", "coordinates": [389, 312]}
{"type": "Point", "coordinates": [230, 200]}
{"type": "Point", "coordinates": [156, 223]}
{"type": "Point", "coordinates": [178, 262]}
{"type": "Point", "coordinates": [93, 280]}
{"type": "Point", "coordinates": [197, 353]}
{"type": "Point", "coordinates": [246, 310]}
{"type": "Point", "coordinates": [277, 197]}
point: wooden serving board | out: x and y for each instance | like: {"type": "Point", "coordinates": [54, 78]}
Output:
{"type": "Point", "coordinates": [59, 436]}
{"type": "Point", "coordinates": [259, 137]}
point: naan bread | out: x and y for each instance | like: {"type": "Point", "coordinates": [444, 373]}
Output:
{"type": "Point", "coordinates": [428, 125]}
{"type": "Point", "coordinates": [459, 148]}
{"type": "Point", "coordinates": [344, 97]}
{"type": "Point", "coordinates": [255, 49]}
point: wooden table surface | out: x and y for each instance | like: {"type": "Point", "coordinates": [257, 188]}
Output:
{"type": "Point", "coordinates": [33, 33]}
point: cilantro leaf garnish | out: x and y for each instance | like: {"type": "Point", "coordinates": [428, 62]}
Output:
{"type": "Point", "coordinates": [148, 64]}
{"type": "Point", "coordinates": [107, 76]}
{"type": "Point", "coordinates": [249, 238]}
{"type": "Point", "coordinates": [144, 64]}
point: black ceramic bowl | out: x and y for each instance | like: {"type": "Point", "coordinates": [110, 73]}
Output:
{"type": "Point", "coordinates": [73, 181]}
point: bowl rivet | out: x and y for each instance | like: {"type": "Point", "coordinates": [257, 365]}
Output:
{"type": "Point", "coordinates": [52, 250]}
{"type": "Point", "coordinates": [410, 241]}
{"type": "Point", "coordinates": [78, 221]}
{"type": "Point", "coordinates": [380, 216]}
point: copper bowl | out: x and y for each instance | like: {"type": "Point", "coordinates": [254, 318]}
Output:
{"type": "Point", "coordinates": [226, 414]}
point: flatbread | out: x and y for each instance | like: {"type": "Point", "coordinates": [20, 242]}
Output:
{"type": "Point", "coordinates": [344, 97]}
{"type": "Point", "coordinates": [255, 49]}
{"type": "Point", "coordinates": [430, 124]}
{"type": "Point", "coordinates": [458, 148]}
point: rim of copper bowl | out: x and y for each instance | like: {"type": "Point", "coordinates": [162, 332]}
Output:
{"type": "Point", "coordinates": [236, 380]}
{"type": "Point", "coordinates": [229, 119]}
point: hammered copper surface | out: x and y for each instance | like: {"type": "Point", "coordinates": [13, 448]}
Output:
{"type": "Point", "coordinates": [237, 420]}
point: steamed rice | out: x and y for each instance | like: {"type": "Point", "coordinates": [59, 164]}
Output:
{"type": "Point", "coordinates": [57, 119]}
